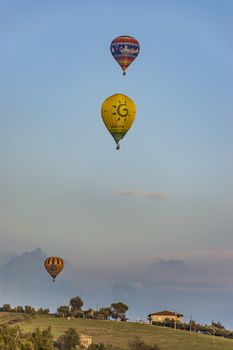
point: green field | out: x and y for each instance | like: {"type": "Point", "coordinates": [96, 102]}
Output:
{"type": "Point", "coordinates": [119, 334]}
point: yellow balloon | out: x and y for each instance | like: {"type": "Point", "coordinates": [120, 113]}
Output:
{"type": "Point", "coordinates": [54, 265]}
{"type": "Point", "coordinates": [118, 113]}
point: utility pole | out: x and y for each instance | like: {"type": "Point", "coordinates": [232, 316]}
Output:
{"type": "Point", "coordinates": [213, 327]}
{"type": "Point", "coordinates": [190, 324]}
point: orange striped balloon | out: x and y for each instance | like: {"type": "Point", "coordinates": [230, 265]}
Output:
{"type": "Point", "coordinates": [54, 265]}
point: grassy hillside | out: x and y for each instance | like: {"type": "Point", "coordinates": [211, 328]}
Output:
{"type": "Point", "coordinates": [8, 316]}
{"type": "Point", "coordinates": [119, 334]}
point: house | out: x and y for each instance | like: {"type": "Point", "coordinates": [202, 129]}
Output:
{"type": "Point", "coordinates": [161, 316]}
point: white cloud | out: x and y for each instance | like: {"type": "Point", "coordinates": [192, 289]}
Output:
{"type": "Point", "coordinates": [156, 195]}
{"type": "Point", "coordinates": [130, 193]}
{"type": "Point", "coordinates": [139, 193]}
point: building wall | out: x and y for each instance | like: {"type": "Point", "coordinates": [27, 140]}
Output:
{"type": "Point", "coordinates": [162, 318]}
{"type": "Point", "coordinates": [85, 340]}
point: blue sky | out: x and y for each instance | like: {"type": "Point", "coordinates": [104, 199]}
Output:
{"type": "Point", "coordinates": [167, 194]}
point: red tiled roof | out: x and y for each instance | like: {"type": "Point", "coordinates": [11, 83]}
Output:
{"type": "Point", "coordinates": [166, 313]}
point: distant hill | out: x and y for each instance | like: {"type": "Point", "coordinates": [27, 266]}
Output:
{"type": "Point", "coordinates": [23, 281]}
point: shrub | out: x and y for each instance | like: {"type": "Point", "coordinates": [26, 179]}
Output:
{"type": "Point", "coordinates": [138, 344]}
{"type": "Point", "coordinates": [42, 339]}
{"type": "Point", "coordinates": [99, 347]}
{"type": "Point", "coordinates": [68, 340]}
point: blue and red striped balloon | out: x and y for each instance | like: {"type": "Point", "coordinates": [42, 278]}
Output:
{"type": "Point", "coordinates": [125, 49]}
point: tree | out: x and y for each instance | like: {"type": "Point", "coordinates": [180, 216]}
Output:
{"type": "Point", "coordinates": [69, 340]}
{"type": "Point", "coordinates": [217, 325]}
{"type": "Point", "coordinates": [19, 309]}
{"type": "Point", "coordinates": [118, 311]}
{"type": "Point", "coordinates": [192, 325]}
{"type": "Point", "coordinates": [6, 308]}
{"type": "Point", "coordinates": [46, 311]}
{"type": "Point", "coordinates": [29, 310]}
{"type": "Point", "coordinates": [104, 313]}
{"type": "Point", "coordinates": [63, 311]}
{"type": "Point", "coordinates": [76, 304]}
{"type": "Point", "coordinates": [42, 311]}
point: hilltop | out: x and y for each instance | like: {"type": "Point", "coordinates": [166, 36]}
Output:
{"type": "Point", "coordinates": [120, 333]}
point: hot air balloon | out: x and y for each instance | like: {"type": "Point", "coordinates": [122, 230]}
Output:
{"type": "Point", "coordinates": [118, 113]}
{"type": "Point", "coordinates": [54, 265]}
{"type": "Point", "coordinates": [124, 49]}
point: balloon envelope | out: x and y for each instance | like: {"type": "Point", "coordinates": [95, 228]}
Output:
{"type": "Point", "coordinates": [118, 113]}
{"type": "Point", "coordinates": [125, 49]}
{"type": "Point", "coordinates": [54, 265]}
